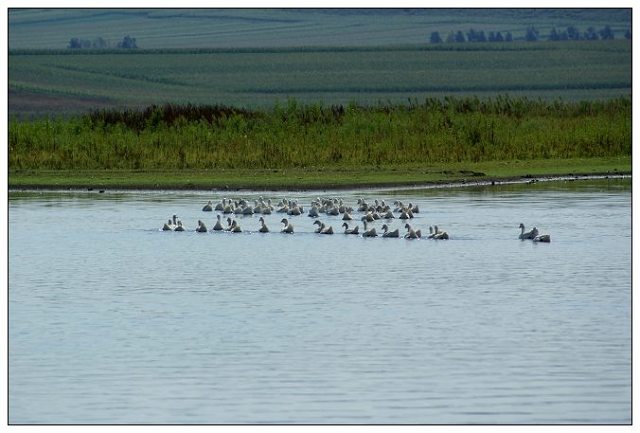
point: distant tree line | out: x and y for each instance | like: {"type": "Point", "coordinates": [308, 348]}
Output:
{"type": "Point", "coordinates": [571, 33]}
{"type": "Point", "coordinates": [99, 43]}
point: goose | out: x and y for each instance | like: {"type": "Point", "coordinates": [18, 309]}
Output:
{"type": "Point", "coordinates": [208, 207]}
{"type": "Point", "coordinates": [404, 215]}
{"type": "Point", "coordinates": [294, 211]}
{"type": "Point", "coordinates": [438, 234]}
{"type": "Point", "coordinates": [528, 235]}
{"type": "Point", "coordinates": [388, 234]}
{"type": "Point", "coordinates": [431, 233]}
{"type": "Point", "coordinates": [411, 234]}
{"type": "Point", "coordinates": [368, 217]}
{"type": "Point", "coordinates": [326, 230]}
{"type": "Point", "coordinates": [179, 228]}
{"type": "Point", "coordinates": [320, 226]}
{"type": "Point", "coordinates": [235, 228]}
{"type": "Point", "coordinates": [167, 226]}
{"type": "Point", "coordinates": [247, 211]}
{"type": "Point", "coordinates": [288, 227]}
{"type": "Point", "coordinates": [362, 205]}
{"type": "Point", "coordinates": [333, 211]}
{"type": "Point", "coordinates": [229, 224]}
{"type": "Point", "coordinates": [313, 212]}
{"type": "Point", "coordinates": [227, 209]}
{"type": "Point", "coordinates": [257, 208]}
{"type": "Point", "coordinates": [218, 225]}
{"type": "Point", "coordinates": [348, 231]}
{"type": "Point", "coordinates": [371, 233]}
{"type": "Point", "coordinates": [201, 227]}
{"type": "Point", "coordinates": [263, 227]}
{"type": "Point", "coordinates": [414, 209]}
{"type": "Point", "coordinates": [220, 206]}
{"type": "Point", "coordinates": [347, 217]}
{"type": "Point", "coordinates": [388, 215]}
{"type": "Point", "coordinates": [542, 238]}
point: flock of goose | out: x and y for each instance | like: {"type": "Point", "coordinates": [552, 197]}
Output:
{"type": "Point", "coordinates": [367, 213]}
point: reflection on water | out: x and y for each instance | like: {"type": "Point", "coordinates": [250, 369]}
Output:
{"type": "Point", "coordinates": [113, 321]}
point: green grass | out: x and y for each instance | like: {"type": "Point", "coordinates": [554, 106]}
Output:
{"type": "Point", "coordinates": [296, 178]}
{"type": "Point", "coordinates": [369, 75]}
{"type": "Point", "coordinates": [315, 145]}
{"type": "Point", "coordinates": [307, 136]}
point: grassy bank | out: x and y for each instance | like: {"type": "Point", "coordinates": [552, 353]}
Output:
{"type": "Point", "coordinates": [297, 178]}
{"type": "Point", "coordinates": [314, 145]}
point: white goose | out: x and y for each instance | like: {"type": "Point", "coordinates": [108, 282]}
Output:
{"type": "Point", "coordinates": [208, 207]}
{"type": "Point", "coordinates": [348, 231]}
{"type": "Point", "coordinates": [218, 225]}
{"type": "Point", "coordinates": [371, 233]}
{"type": "Point", "coordinates": [542, 238]}
{"type": "Point", "coordinates": [229, 225]}
{"type": "Point", "coordinates": [201, 227]}
{"type": "Point", "coordinates": [235, 228]}
{"type": "Point", "coordinates": [322, 229]}
{"type": "Point", "coordinates": [411, 234]}
{"type": "Point", "coordinates": [263, 227]}
{"type": "Point", "coordinates": [288, 227]}
{"type": "Point", "coordinates": [438, 234]}
{"type": "Point", "coordinates": [388, 234]}
{"type": "Point", "coordinates": [313, 212]}
{"type": "Point", "coordinates": [527, 235]}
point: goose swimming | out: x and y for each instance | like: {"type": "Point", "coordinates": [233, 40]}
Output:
{"type": "Point", "coordinates": [438, 234]}
{"type": "Point", "coordinates": [167, 226]}
{"type": "Point", "coordinates": [348, 231]}
{"type": "Point", "coordinates": [388, 234]}
{"type": "Point", "coordinates": [263, 227]}
{"type": "Point", "coordinates": [528, 235]}
{"type": "Point", "coordinates": [229, 225]}
{"type": "Point", "coordinates": [235, 228]}
{"type": "Point", "coordinates": [371, 233]}
{"type": "Point", "coordinates": [288, 227]}
{"type": "Point", "coordinates": [313, 212]}
{"type": "Point", "coordinates": [542, 238]}
{"type": "Point", "coordinates": [411, 234]}
{"type": "Point", "coordinates": [179, 228]}
{"type": "Point", "coordinates": [201, 227]}
{"type": "Point", "coordinates": [326, 230]}
{"type": "Point", "coordinates": [208, 207]}
{"type": "Point", "coordinates": [218, 225]}
{"type": "Point", "coordinates": [320, 226]}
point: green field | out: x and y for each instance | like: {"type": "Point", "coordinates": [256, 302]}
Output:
{"type": "Point", "coordinates": [44, 82]}
{"type": "Point", "coordinates": [250, 28]}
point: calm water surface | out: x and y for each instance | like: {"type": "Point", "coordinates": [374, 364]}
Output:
{"type": "Point", "coordinates": [113, 321]}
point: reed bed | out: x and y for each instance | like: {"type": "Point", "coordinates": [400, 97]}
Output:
{"type": "Point", "coordinates": [295, 135]}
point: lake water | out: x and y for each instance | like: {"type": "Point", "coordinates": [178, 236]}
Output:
{"type": "Point", "coordinates": [113, 321]}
